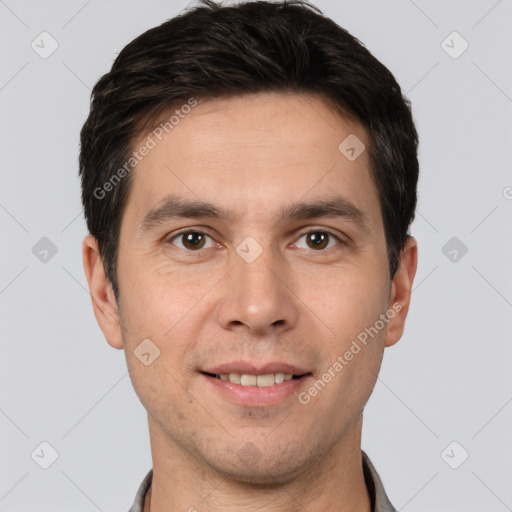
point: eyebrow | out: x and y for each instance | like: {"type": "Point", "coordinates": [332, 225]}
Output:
{"type": "Point", "coordinates": [172, 207]}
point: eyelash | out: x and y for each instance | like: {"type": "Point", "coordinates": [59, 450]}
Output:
{"type": "Point", "coordinates": [188, 231]}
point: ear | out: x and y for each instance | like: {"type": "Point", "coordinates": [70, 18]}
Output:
{"type": "Point", "coordinates": [401, 289]}
{"type": "Point", "coordinates": [102, 295]}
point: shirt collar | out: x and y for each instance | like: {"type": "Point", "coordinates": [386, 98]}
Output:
{"type": "Point", "coordinates": [379, 499]}
{"type": "Point", "coordinates": [378, 496]}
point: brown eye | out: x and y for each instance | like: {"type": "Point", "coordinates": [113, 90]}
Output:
{"type": "Point", "coordinates": [318, 240]}
{"type": "Point", "coordinates": [192, 240]}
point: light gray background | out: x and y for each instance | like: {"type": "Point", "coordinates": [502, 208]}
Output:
{"type": "Point", "coordinates": [447, 380]}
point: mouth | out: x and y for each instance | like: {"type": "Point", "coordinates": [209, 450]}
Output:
{"type": "Point", "coordinates": [255, 384]}
{"type": "Point", "coordinates": [256, 380]}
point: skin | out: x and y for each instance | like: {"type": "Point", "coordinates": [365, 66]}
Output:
{"type": "Point", "coordinates": [253, 155]}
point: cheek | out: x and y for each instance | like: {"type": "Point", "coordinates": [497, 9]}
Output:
{"type": "Point", "coordinates": [162, 394]}
{"type": "Point", "coordinates": [353, 349]}
{"type": "Point", "coordinates": [158, 296]}
{"type": "Point", "coordinates": [348, 304]}
{"type": "Point", "coordinates": [160, 316]}
{"type": "Point", "coordinates": [339, 395]}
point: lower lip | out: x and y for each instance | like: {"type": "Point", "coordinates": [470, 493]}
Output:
{"type": "Point", "coordinates": [254, 396]}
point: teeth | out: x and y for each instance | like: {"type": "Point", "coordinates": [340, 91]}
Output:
{"type": "Point", "coordinates": [248, 380]}
{"type": "Point", "coordinates": [234, 378]}
{"type": "Point", "coordinates": [265, 380]}
{"type": "Point", "coordinates": [260, 381]}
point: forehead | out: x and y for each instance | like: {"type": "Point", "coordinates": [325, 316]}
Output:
{"type": "Point", "coordinates": [254, 153]}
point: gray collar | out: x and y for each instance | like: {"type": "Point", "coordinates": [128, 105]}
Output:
{"type": "Point", "coordinates": [378, 497]}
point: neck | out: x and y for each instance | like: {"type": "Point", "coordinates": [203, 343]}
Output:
{"type": "Point", "coordinates": [333, 482]}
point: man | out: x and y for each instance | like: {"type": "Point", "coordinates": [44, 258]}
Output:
{"type": "Point", "coordinates": [248, 178]}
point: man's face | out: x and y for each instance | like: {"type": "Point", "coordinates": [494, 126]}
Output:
{"type": "Point", "coordinates": [265, 288]}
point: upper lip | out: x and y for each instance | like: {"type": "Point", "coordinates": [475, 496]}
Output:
{"type": "Point", "coordinates": [249, 368]}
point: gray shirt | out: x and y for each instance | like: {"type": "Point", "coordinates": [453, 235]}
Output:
{"type": "Point", "coordinates": [378, 497]}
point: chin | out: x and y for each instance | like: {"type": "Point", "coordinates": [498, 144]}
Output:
{"type": "Point", "coordinates": [250, 467]}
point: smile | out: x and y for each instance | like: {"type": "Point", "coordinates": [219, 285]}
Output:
{"type": "Point", "coordinates": [261, 381]}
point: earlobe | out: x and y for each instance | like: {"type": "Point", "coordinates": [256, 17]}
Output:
{"type": "Point", "coordinates": [401, 288]}
{"type": "Point", "coordinates": [102, 296]}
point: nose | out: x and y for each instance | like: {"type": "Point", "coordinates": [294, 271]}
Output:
{"type": "Point", "coordinates": [257, 297]}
